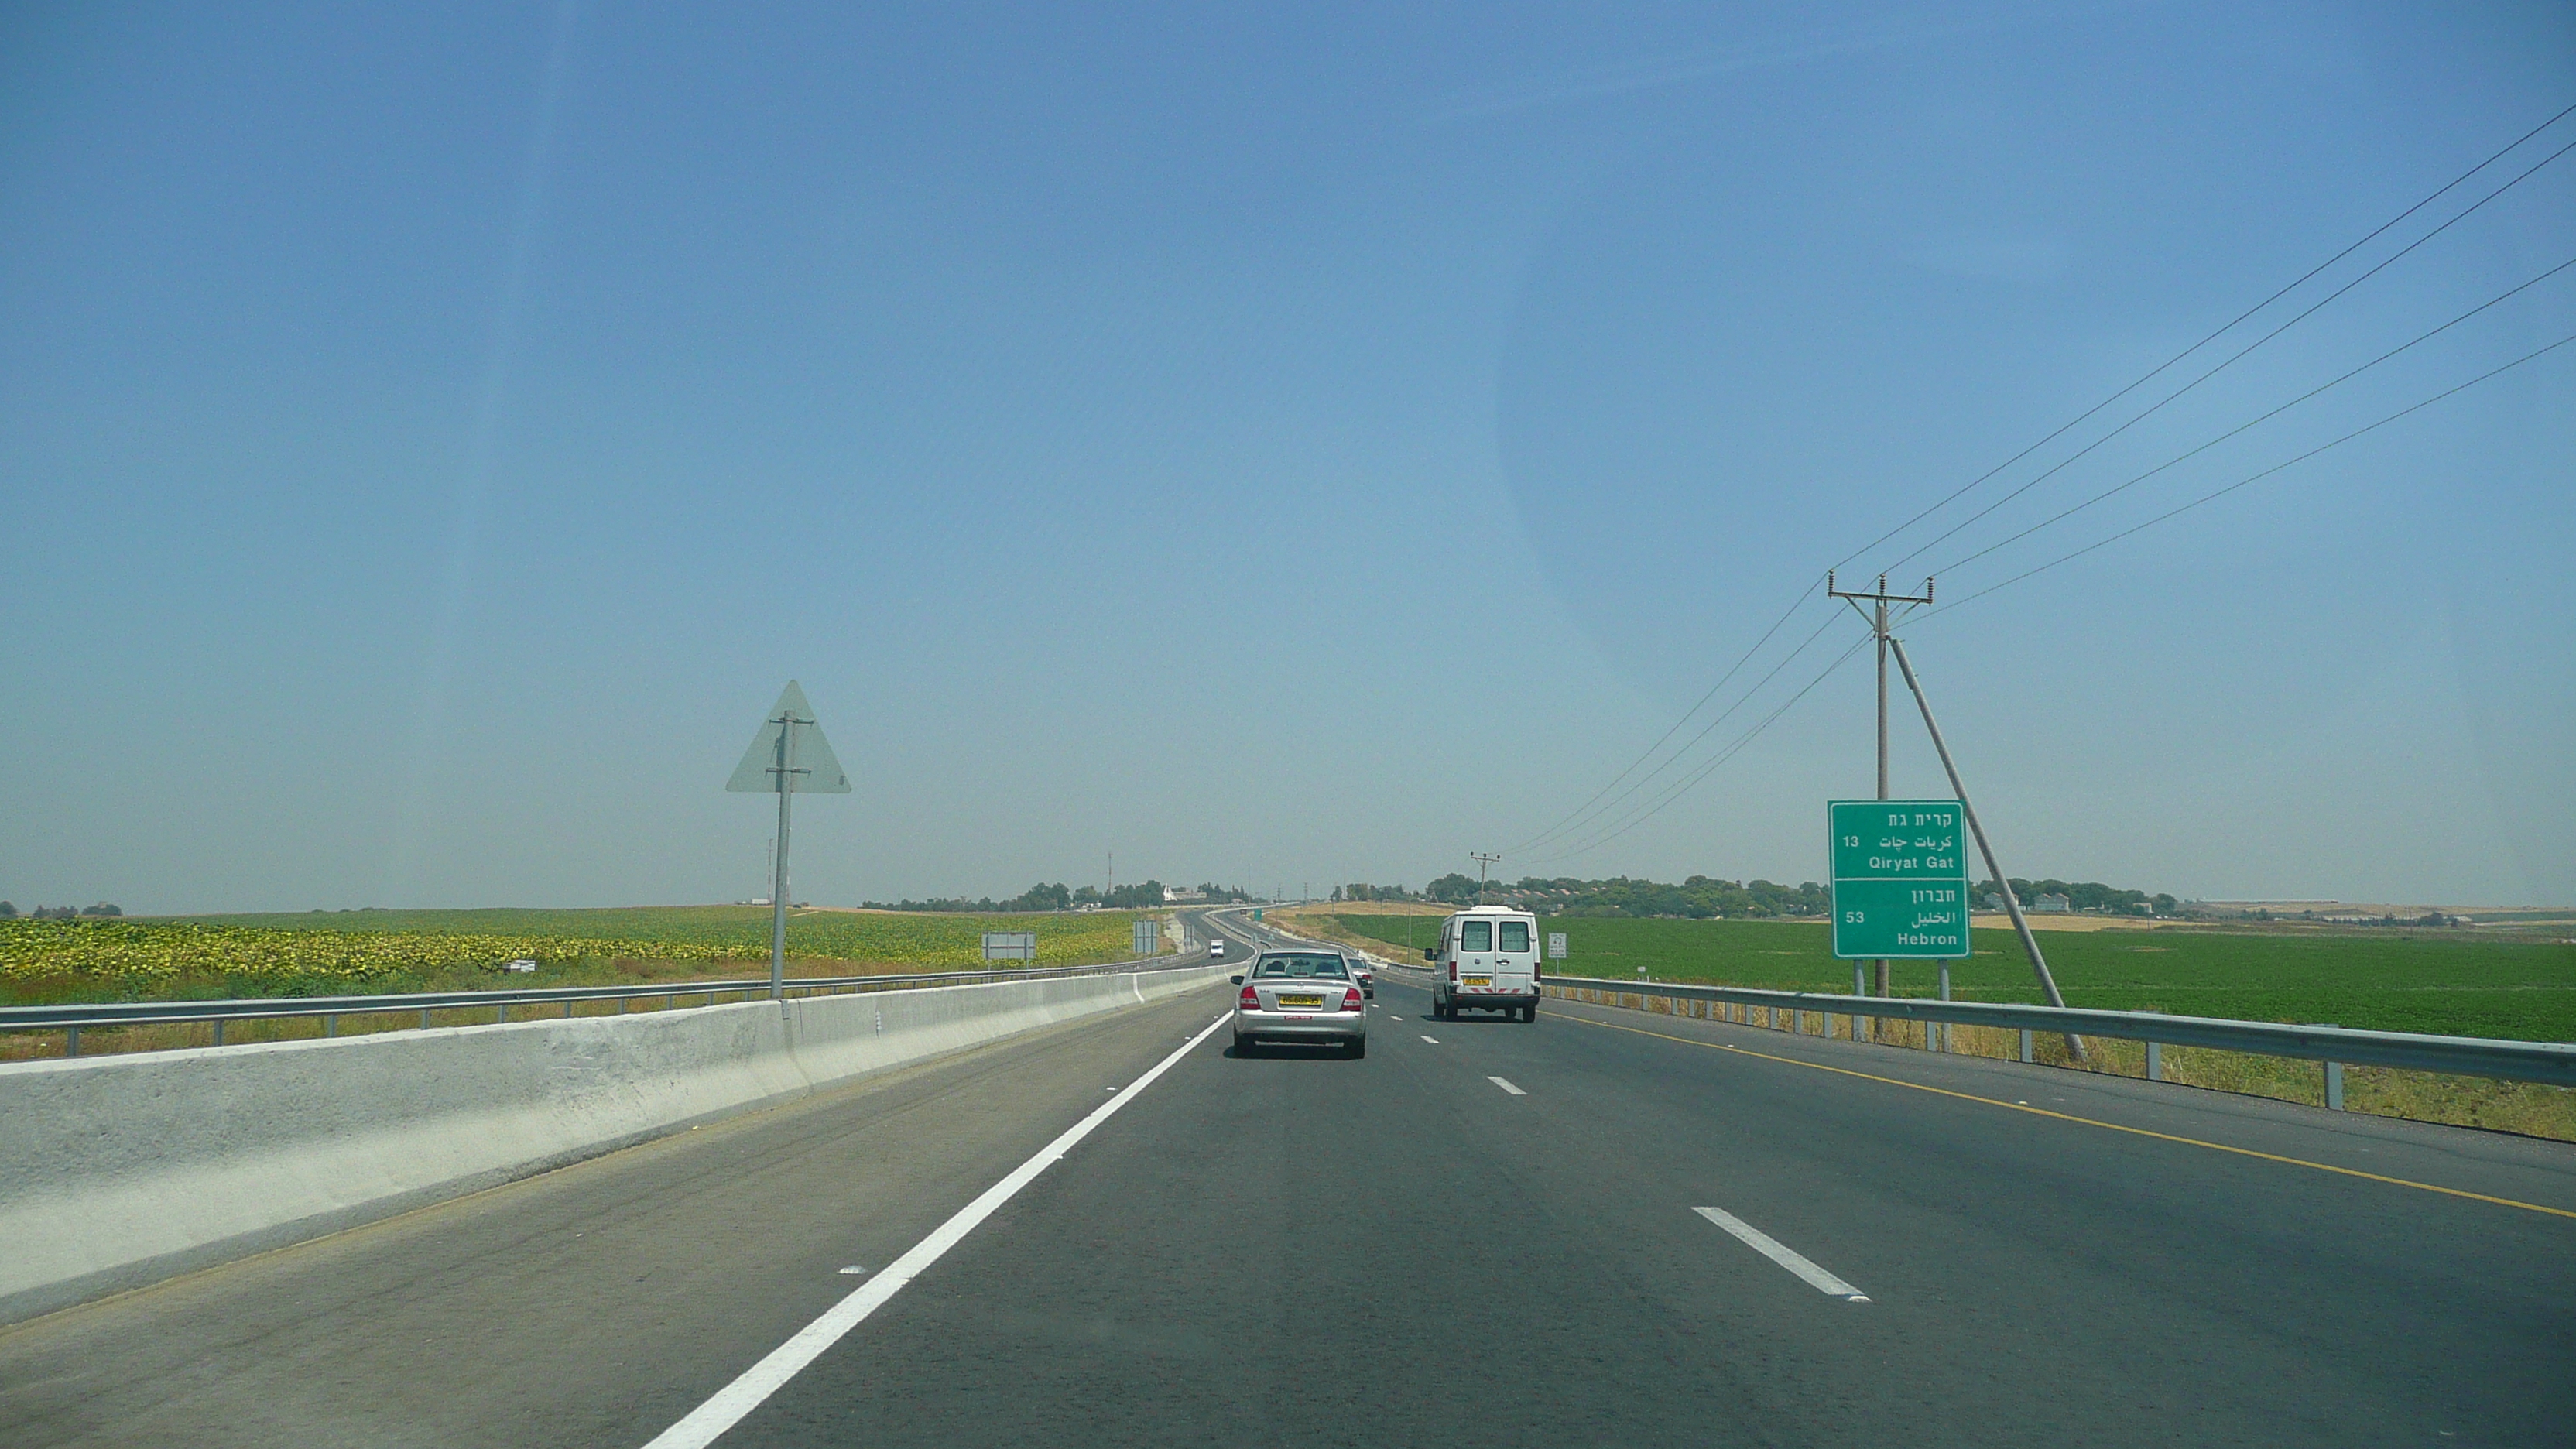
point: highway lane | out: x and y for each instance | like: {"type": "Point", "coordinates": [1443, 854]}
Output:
{"type": "Point", "coordinates": [1295, 1248]}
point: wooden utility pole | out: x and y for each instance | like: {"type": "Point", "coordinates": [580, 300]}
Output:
{"type": "Point", "coordinates": [1876, 617]}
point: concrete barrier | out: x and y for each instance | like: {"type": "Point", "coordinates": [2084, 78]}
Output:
{"type": "Point", "coordinates": [123, 1170]}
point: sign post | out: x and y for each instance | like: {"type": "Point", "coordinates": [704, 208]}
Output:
{"type": "Point", "coordinates": [1900, 880]}
{"type": "Point", "coordinates": [791, 757]}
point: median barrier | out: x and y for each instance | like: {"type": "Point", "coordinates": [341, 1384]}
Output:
{"type": "Point", "coordinates": [119, 1171]}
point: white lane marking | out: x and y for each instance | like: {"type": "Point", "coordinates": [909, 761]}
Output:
{"type": "Point", "coordinates": [1506, 1086]}
{"type": "Point", "coordinates": [1435, 1041]}
{"type": "Point", "coordinates": [703, 1424]}
{"type": "Point", "coordinates": [1782, 1254]}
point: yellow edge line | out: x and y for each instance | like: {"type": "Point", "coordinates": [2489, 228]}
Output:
{"type": "Point", "coordinates": [2085, 1121]}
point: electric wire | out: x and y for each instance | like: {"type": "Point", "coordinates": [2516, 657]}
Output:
{"type": "Point", "coordinates": [1683, 787]}
{"type": "Point", "coordinates": [1721, 718]}
{"type": "Point", "coordinates": [2147, 376]}
{"type": "Point", "coordinates": [2219, 493]}
{"type": "Point", "coordinates": [2186, 456]}
{"type": "Point", "coordinates": [1586, 813]}
{"type": "Point", "coordinates": [1563, 824]}
{"type": "Point", "coordinates": [2231, 361]}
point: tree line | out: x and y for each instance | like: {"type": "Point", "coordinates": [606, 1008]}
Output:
{"type": "Point", "coordinates": [9, 912]}
{"type": "Point", "coordinates": [1057, 896]}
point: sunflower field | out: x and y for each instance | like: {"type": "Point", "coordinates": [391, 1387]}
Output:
{"type": "Point", "coordinates": [382, 951]}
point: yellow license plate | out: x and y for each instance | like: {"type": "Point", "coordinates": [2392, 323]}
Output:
{"type": "Point", "coordinates": [1475, 980]}
{"type": "Point", "coordinates": [1308, 1001]}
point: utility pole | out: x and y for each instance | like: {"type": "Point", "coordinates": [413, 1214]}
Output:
{"type": "Point", "coordinates": [1483, 862]}
{"type": "Point", "coordinates": [1876, 617]}
{"type": "Point", "coordinates": [2003, 882]}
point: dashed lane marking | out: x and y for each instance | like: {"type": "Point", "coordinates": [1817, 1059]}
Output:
{"type": "Point", "coordinates": [1784, 1255]}
{"type": "Point", "coordinates": [1435, 1041]}
{"type": "Point", "coordinates": [1506, 1086]}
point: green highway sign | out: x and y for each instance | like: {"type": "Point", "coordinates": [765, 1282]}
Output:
{"type": "Point", "coordinates": [1900, 877]}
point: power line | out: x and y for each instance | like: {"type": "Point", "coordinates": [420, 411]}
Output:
{"type": "Point", "coordinates": [2253, 477]}
{"type": "Point", "coordinates": [1587, 812]}
{"type": "Point", "coordinates": [2267, 417]}
{"type": "Point", "coordinates": [1694, 740]}
{"type": "Point", "coordinates": [1734, 747]}
{"type": "Point", "coordinates": [1553, 830]}
{"type": "Point", "coordinates": [2144, 377]}
{"type": "Point", "coordinates": [2232, 360]}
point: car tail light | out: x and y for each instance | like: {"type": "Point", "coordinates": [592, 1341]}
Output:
{"type": "Point", "coordinates": [1351, 999]}
{"type": "Point", "coordinates": [1247, 1001]}
{"type": "Point", "coordinates": [1453, 972]}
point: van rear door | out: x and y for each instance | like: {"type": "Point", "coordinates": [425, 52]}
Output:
{"type": "Point", "coordinates": [1515, 953]}
{"type": "Point", "coordinates": [1475, 954]}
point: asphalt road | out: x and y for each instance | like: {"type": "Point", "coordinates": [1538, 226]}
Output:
{"type": "Point", "coordinates": [1301, 1249]}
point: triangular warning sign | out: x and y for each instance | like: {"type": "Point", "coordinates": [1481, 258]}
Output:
{"type": "Point", "coordinates": [790, 754]}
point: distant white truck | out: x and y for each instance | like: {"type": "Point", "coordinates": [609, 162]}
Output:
{"type": "Point", "coordinates": [1487, 960]}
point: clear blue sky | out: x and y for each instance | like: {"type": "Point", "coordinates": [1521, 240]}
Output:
{"type": "Point", "coordinates": [1294, 443]}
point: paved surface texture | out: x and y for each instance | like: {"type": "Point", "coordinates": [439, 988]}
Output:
{"type": "Point", "coordinates": [1295, 1248]}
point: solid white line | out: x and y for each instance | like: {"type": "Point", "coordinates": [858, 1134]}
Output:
{"type": "Point", "coordinates": [1435, 1041]}
{"type": "Point", "coordinates": [1506, 1086]}
{"type": "Point", "coordinates": [708, 1420]}
{"type": "Point", "coordinates": [1780, 1253]}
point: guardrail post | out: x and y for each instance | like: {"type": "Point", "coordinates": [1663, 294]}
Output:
{"type": "Point", "coordinates": [502, 1013]}
{"type": "Point", "coordinates": [2025, 1048]}
{"type": "Point", "coordinates": [2334, 1086]}
{"type": "Point", "coordinates": [2155, 1061]}
{"type": "Point", "coordinates": [219, 1031]}
{"type": "Point", "coordinates": [424, 1018]}
{"type": "Point", "coordinates": [71, 1042]}
{"type": "Point", "coordinates": [567, 1011]}
{"type": "Point", "coordinates": [330, 1023]}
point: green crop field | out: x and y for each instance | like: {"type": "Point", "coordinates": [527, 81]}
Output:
{"type": "Point", "coordinates": [2455, 982]}
{"type": "Point", "coordinates": [370, 951]}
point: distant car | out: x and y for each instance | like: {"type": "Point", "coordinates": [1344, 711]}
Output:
{"type": "Point", "coordinates": [1300, 996]}
{"type": "Point", "coordinates": [1361, 973]}
{"type": "Point", "coordinates": [1216, 948]}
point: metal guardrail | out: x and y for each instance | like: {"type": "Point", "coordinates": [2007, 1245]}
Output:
{"type": "Point", "coordinates": [2520, 1061]}
{"type": "Point", "coordinates": [71, 1018]}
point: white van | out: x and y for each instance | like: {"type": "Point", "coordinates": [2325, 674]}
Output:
{"type": "Point", "coordinates": [1487, 960]}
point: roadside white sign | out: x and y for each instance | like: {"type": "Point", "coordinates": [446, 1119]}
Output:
{"type": "Point", "coordinates": [1556, 945]}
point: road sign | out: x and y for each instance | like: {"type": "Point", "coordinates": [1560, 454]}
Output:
{"type": "Point", "coordinates": [1900, 874]}
{"type": "Point", "coordinates": [1148, 930]}
{"type": "Point", "coordinates": [1010, 945]}
{"type": "Point", "coordinates": [804, 766]}
{"type": "Point", "coordinates": [1556, 945]}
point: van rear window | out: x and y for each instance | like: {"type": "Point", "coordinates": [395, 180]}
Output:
{"type": "Point", "coordinates": [1310, 966]}
{"type": "Point", "coordinates": [1475, 935]}
{"type": "Point", "coordinates": [1515, 935]}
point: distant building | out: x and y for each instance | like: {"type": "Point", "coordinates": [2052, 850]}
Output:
{"type": "Point", "coordinates": [2051, 905]}
{"type": "Point", "coordinates": [1994, 900]}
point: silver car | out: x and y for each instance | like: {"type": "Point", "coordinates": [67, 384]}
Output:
{"type": "Point", "coordinates": [1300, 996]}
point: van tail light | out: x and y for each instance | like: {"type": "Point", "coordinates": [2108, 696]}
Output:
{"type": "Point", "coordinates": [1351, 999]}
{"type": "Point", "coordinates": [1248, 1001]}
{"type": "Point", "coordinates": [1453, 973]}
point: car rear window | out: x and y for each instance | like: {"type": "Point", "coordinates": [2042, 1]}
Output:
{"type": "Point", "coordinates": [1475, 935]}
{"type": "Point", "coordinates": [1273, 966]}
{"type": "Point", "coordinates": [1515, 935]}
